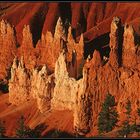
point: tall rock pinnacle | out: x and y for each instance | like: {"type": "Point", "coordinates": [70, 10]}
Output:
{"type": "Point", "coordinates": [114, 42]}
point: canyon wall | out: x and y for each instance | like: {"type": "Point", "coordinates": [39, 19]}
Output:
{"type": "Point", "coordinates": [63, 89]}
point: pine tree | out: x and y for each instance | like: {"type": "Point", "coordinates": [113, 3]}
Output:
{"type": "Point", "coordinates": [138, 112]}
{"type": "Point", "coordinates": [2, 129]}
{"type": "Point", "coordinates": [108, 117]}
{"type": "Point", "coordinates": [127, 128]}
{"type": "Point", "coordinates": [23, 131]}
{"type": "Point", "coordinates": [128, 109]}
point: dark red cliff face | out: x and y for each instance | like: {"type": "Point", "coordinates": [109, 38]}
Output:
{"type": "Point", "coordinates": [93, 19]}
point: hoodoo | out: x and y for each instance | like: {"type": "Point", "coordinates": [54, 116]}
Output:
{"type": "Point", "coordinates": [59, 62]}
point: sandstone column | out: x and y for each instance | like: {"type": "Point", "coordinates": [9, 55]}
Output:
{"type": "Point", "coordinates": [129, 47]}
{"type": "Point", "coordinates": [115, 36]}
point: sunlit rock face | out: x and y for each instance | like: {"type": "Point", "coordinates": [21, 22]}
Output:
{"type": "Point", "coordinates": [129, 47]}
{"type": "Point", "coordinates": [8, 47]}
{"type": "Point", "coordinates": [115, 42]}
{"type": "Point", "coordinates": [27, 49]}
{"type": "Point", "coordinates": [83, 106]}
{"type": "Point", "coordinates": [129, 74]}
{"type": "Point", "coordinates": [19, 84]}
{"type": "Point", "coordinates": [51, 46]}
{"type": "Point", "coordinates": [71, 94]}
{"type": "Point", "coordinates": [65, 87]}
{"type": "Point", "coordinates": [25, 85]}
{"type": "Point", "coordinates": [42, 88]}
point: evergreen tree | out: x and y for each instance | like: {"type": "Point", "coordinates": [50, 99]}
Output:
{"type": "Point", "coordinates": [128, 109]}
{"type": "Point", "coordinates": [108, 117]}
{"type": "Point", "coordinates": [2, 129]}
{"type": "Point", "coordinates": [138, 112]}
{"type": "Point", "coordinates": [127, 128]}
{"type": "Point", "coordinates": [23, 131]}
{"type": "Point", "coordinates": [133, 127]}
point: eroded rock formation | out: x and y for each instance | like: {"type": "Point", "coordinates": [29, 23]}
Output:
{"type": "Point", "coordinates": [116, 75]}
{"type": "Point", "coordinates": [115, 42]}
{"type": "Point", "coordinates": [129, 74]}
{"type": "Point", "coordinates": [47, 48]}
{"type": "Point", "coordinates": [25, 85]}
{"type": "Point", "coordinates": [63, 89]}
{"type": "Point", "coordinates": [27, 49]}
{"type": "Point", "coordinates": [66, 88]}
{"type": "Point", "coordinates": [70, 93]}
{"type": "Point", "coordinates": [8, 47]}
{"type": "Point", "coordinates": [42, 86]}
{"type": "Point", "coordinates": [83, 106]}
{"type": "Point", "coordinates": [78, 48]}
{"type": "Point", "coordinates": [19, 84]}
{"type": "Point", "coordinates": [129, 47]}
